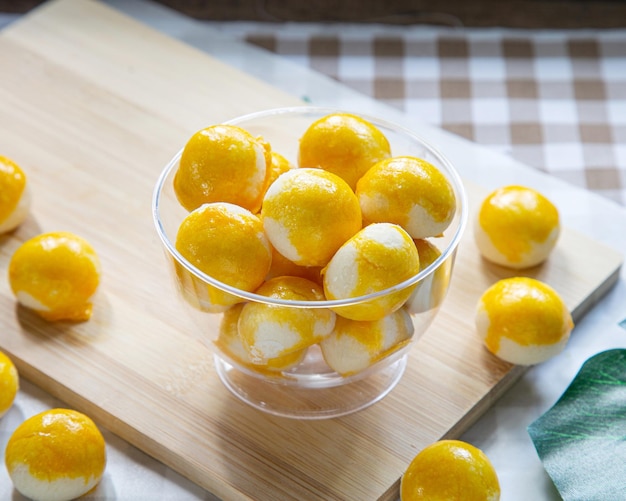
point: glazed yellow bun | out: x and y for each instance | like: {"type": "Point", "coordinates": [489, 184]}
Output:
{"type": "Point", "coordinates": [523, 321]}
{"type": "Point", "coordinates": [226, 242]}
{"type": "Point", "coordinates": [354, 345]}
{"type": "Point", "coordinates": [15, 196]}
{"type": "Point", "coordinates": [516, 227]}
{"type": "Point", "coordinates": [308, 214]}
{"type": "Point", "coordinates": [378, 257]}
{"type": "Point", "coordinates": [56, 275]}
{"type": "Point", "coordinates": [409, 192]}
{"type": "Point", "coordinates": [223, 163]}
{"type": "Point", "coordinates": [56, 455]}
{"type": "Point", "coordinates": [9, 383]}
{"type": "Point", "coordinates": [270, 331]}
{"type": "Point", "coordinates": [342, 143]}
{"type": "Point", "coordinates": [230, 343]}
{"type": "Point", "coordinates": [450, 470]}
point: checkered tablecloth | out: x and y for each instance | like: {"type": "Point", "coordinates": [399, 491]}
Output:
{"type": "Point", "coordinates": [554, 100]}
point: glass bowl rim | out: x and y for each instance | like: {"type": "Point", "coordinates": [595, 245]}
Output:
{"type": "Point", "coordinates": [451, 173]}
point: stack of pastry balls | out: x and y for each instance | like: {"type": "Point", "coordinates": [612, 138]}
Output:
{"type": "Point", "coordinates": [345, 220]}
{"type": "Point", "coordinates": [520, 319]}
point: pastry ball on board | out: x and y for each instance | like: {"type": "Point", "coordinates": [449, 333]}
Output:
{"type": "Point", "coordinates": [9, 383]}
{"type": "Point", "coordinates": [56, 275]}
{"type": "Point", "coordinates": [523, 321]}
{"type": "Point", "coordinates": [516, 227]}
{"type": "Point", "coordinates": [15, 196]}
{"type": "Point", "coordinates": [57, 455]}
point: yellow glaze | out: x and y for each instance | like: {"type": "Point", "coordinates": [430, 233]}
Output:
{"type": "Point", "coordinates": [223, 163]}
{"type": "Point", "coordinates": [59, 270]}
{"type": "Point", "coordinates": [9, 383]}
{"type": "Point", "coordinates": [396, 185]}
{"type": "Point", "coordinates": [227, 243]}
{"type": "Point", "coordinates": [12, 185]}
{"type": "Point", "coordinates": [55, 444]}
{"type": "Point", "coordinates": [525, 310]}
{"type": "Point", "coordinates": [344, 144]}
{"type": "Point", "coordinates": [515, 218]}
{"type": "Point", "coordinates": [315, 210]}
{"type": "Point", "coordinates": [450, 470]}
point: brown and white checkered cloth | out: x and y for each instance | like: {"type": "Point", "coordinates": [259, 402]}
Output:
{"type": "Point", "coordinates": [554, 100]}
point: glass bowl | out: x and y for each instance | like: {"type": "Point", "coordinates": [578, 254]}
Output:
{"type": "Point", "coordinates": [310, 389]}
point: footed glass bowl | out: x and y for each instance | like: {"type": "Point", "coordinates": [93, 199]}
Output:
{"type": "Point", "coordinates": [308, 388]}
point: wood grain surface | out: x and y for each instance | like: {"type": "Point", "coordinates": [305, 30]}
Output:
{"type": "Point", "coordinates": [92, 106]}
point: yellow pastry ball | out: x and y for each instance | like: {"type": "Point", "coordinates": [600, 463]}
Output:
{"type": "Point", "coordinates": [56, 455]}
{"type": "Point", "coordinates": [344, 144]}
{"type": "Point", "coordinates": [281, 266]}
{"type": "Point", "coordinates": [516, 227]}
{"type": "Point", "coordinates": [278, 166]}
{"type": "Point", "coordinates": [523, 321]}
{"type": "Point", "coordinates": [56, 275]}
{"type": "Point", "coordinates": [271, 331]}
{"type": "Point", "coordinates": [229, 342]}
{"type": "Point", "coordinates": [355, 345]}
{"type": "Point", "coordinates": [450, 470]}
{"type": "Point", "coordinates": [410, 192]}
{"type": "Point", "coordinates": [308, 214]}
{"type": "Point", "coordinates": [223, 163]}
{"type": "Point", "coordinates": [226, 242]}
{"type": "Point", "coordinates": [9, 383]}
{"type": "Point", "coordinates": [379, 256]}
{"type": "Point", "coordinates": [14, 195]}
{"type": "Point", "coordinates": [429, 292]}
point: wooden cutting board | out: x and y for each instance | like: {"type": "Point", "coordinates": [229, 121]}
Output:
{"type": "Point", "coordinates": [92, 105]}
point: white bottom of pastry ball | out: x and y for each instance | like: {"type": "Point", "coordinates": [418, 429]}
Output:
{"type": "Point", "coordinates": [62, 489]}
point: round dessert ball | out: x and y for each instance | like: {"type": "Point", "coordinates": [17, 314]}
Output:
{"type": "Point", "coordinates": [308, 214]}
{"type": "Point", "coordinates": [378, 257]}
{"type": "Point", "coordinates": [15, 195]}
{"type": "Point", "coordinates": [516, 227]}
{"type": "Point", "coordinates": [230, 343]}
{"type": "Point", "coordinates": [410, 192]}
{"type": "Point", "coordinates": [56, 455]}
{"type": "Point", "coordinates": [269, 331]}
{"type": "Point", "coordinates": [223, 163]}
{"type": "Point", "coordinates": [227, 243]}
{"type": "Point", "coordinates": [429, 292]}
{"type": "Point", "coordinates": [342, 143]}
{"type": "Point", "coordinates": [355, 345]}
{"type": "Point", "coordinates": [56, 275]}
{"type": "Point", "coordinates": [523, 321]}
{"type": "Point", "coordinates": [450, 470]}
{"type": "Point", "coordinates": [9, 383]}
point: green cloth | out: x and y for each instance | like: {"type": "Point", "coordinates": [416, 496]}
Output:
{"type": "Point", "coordinates": [582, 439]}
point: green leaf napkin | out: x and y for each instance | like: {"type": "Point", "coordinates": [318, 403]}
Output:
{"type": "Point", "coordinates": [582, 439]}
